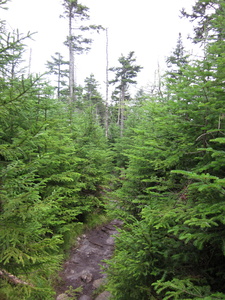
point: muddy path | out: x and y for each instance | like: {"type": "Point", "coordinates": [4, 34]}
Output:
{"type": "Point", "coordinates": [83, 268]}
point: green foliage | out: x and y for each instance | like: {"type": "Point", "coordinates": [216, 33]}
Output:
{"type": "Point", "coordinates": [75, 11]}
{"type": "Point", "coordinates": [130, 269]}
{"type": "Point", "coordinates": [53, 164]}
{"type": "Point", "coordinates": [73, 293]}
{"type": "Point", "coordinates": [185, 289]}
{"type": "Point", "coordinates": [93, 99]}
{"type": "Point", "coordinates": [169, 166]}
{"type": "Point", "coordinates": [125, 75]}
{"type": "Point", "coordinates": [164, 256]}
{"type": "Point", "coordinates": [57, 67]}
{"type": "Point", "coordinates": [172, 191]}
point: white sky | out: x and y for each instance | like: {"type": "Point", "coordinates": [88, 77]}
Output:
{"type": "Point", "coordinates": [150, 28]}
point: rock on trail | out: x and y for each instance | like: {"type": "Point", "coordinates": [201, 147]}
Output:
{"type": "Point", "coordinates": [83, 267]}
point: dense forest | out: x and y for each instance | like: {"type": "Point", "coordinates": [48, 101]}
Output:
{"type": "Point", "coordinates": [155, 160]}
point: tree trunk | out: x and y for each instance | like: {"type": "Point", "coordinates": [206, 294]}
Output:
{"type": "Point", "coordinates": [59, 77]}
{"type": "Point", "coordinates": [107, 87]}
{"type": "Point", "coordinates": [71, 62]}
{"type": "Point", "coordinates": [122, 109]}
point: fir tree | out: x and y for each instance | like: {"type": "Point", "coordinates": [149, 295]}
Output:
{"type": "Point", "coordinates": [58, 67]}
{"type": "Point", "coordinates": [173, 191]}
{"type": "Point", "coordinates": [76, 41]}
{"type": "Point", "coordinates": [94, 99]}
{"type": "Point", "coordinates": [125, 75]}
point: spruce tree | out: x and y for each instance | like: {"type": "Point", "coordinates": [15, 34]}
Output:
{"type": "Point", "coordinates": [174, 182]}
{"type": "Point", "coordinates": [76, 41]}
{"type": "Point", "coordinates": [52, 168]}
{"type": "Point", "coordinates": [94, 99]}
{"type": "Point", "coordinates": [59, 67]}
{"type": "Point", "coordinates": [125, 75]}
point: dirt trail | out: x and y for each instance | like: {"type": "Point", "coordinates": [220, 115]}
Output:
{"type": "Point", "coordinates": [83, 267]}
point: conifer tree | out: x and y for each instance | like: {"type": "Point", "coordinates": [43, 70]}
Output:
{"type": "Point", "coordinates": [174, 238]}
{"type": "Point", "coordinates": [177, 60]}
{"type": "Point", "coordinates": [76, 41]}
{"type": "Point", "coordinates": [93, 98]}
{"type": "Point", "coordinates": [207, 15]}
{"type": "Point", "coordinates": [51, 170]}
{"type": "Point", "coordinates": [24, 241]}
{"type": "Point", "coordinates": [125, 75]}
{"type": "Point", "coordinates": [58, 67]}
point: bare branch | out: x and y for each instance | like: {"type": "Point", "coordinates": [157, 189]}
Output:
{"type": "Point", "coordinates": [13, 279]}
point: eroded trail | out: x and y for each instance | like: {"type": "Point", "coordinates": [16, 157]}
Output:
{"type": "Point", "coordinates": [83, 267]}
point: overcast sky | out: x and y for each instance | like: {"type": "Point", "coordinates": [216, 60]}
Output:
{"type": "Point", "coordinates": [150, 28]}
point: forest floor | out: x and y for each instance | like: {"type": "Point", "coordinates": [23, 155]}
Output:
{"type": "Point", "coordinates": [83, 268]}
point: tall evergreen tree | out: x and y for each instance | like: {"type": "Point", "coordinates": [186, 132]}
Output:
{"type": "Point", "coordinates": [58, 67]}
{"type": "Point", "coordinates": [125, 75]}
{"type": "Point", "coordinates": [207, 15]}
{"type": "Point", "coordinates": [94, 99]}
{"type": "Point", "coordinates": [177, 60]}
{"type": "Point", "coordinates": [76, 41]}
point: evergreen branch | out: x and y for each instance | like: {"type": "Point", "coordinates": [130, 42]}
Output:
{"type": "Point", "coordinates": [25, 90]}
{"type": "Point", "coordinates": [3, 2]}
{"type": "Point", "coordinates": [11, 44]}
{"type": "Point", "coordinates": [13, 279]}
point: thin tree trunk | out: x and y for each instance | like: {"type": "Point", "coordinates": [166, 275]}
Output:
{"type": "Point", "coordinates": [107, 87]}
{"type": "Point", "coordinates": [119, 110]}
{"type": "Point", "coordinates": [30, 59]}
{"type": "Point", "coordinates": [122, 111]}
{"type": "Point", "coordinates": [59, 75]}
{"type": "Point", "coordinates": [71, 62]}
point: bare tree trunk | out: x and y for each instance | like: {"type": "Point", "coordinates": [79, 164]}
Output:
{"type": "Point", "coordinates": [122, 111]}
{"type": "Point", "coordinates": [119, 110]}
{"type": "Point", "coordinates": [159, 82]}
{"type": "Point", "coordinates": [71, 62]}
{"type": "Point", "coordinates": [30, 59]}
{"type": "Point", "coordinates": [59, 75]}
{"type": "Point", "coordinates": [107, 86]}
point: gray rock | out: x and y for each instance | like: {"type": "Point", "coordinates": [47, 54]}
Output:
{"type": "Point", "coordinates": [110, 240]}
{"type": "Point", "coordinates": [86, 276]}
{"type": "Point", "coordinates": [98, 282]}
{"type": "Point", "coordinates": [62, 297]}
{"type": "Point", "coordinates": [84, 297]}
{"type": "Point", "coordinates": [103, 296]}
